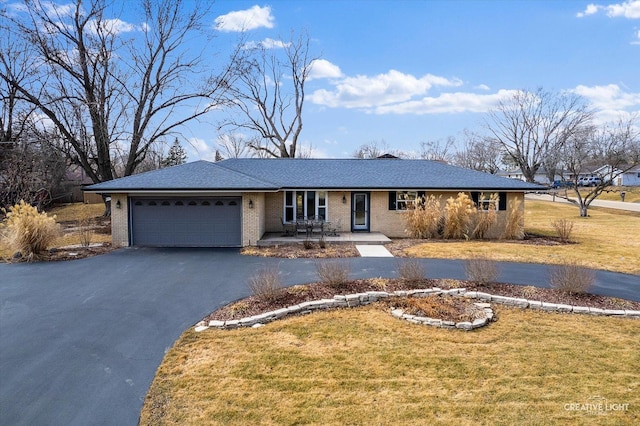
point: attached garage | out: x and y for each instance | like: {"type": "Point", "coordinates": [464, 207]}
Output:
{"type": "Point", "coordinates": [186, 222]}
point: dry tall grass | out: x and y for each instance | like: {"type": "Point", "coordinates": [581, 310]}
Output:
{"type": "Point", "coordinates": [485, 220]}
{"type": "Point", "coordinates": [513, 229]}
{"type": "Point", "coordinates": [423, 219]}
{"type": "Point", "coordinates": [458, 214]}
{"type": "Point", "coordinates": [563, 228]}
{"type": "Point", "coordinates": [27, 231]}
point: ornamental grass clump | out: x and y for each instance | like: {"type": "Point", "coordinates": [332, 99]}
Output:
{"type": "Point", "coordinates": [485, 220]}
{"type": "Point", "coordinates": [28, 231]}
{"type": "Point", "coordinates": [458, 214]}
{"type": "Point", "coordinates": [513, 229]}
{"type": "Point", "coordinates": [423, 218]}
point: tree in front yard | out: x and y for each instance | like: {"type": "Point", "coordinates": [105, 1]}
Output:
{"type": "Point", "coordinates": [613, 149]}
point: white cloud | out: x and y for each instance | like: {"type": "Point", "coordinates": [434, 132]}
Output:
{"type": "Point", "coordinates": [244, 20]}
{"type": "Point", "coordinates": [114, 26]}
{"type": "Point", "coordinates": [369, 92]}
{"type": "Point", "coordinates": [198, 149]}
{"type": "Point", "coordinates": [482, 87]}
{"type": "Point", "coordinates": [267, 43]}
{"type": "Point", "coordinates": [321, 68]}
{"type": "Point", "coordinates": [590, 10]}
{"type": "Point", "coordinates": [638, 39]}
{"type": "Point", "coordinates": [608, 97]}
{"type": "Point", "coordinates": [610, 101]}
{"type": "Point", "coordinates": [629, 9]}
{"type": "Point", "coordinates": [458, 102]}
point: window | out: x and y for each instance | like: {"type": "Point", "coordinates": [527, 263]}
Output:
{"type": "Point", "coordinates": [484, 200]}
{"type": "Point", "coordinates": [399, 200]}
{"type": "Point", "coordinates": [305, 204]}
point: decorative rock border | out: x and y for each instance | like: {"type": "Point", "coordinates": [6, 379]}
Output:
{"type": "Point", "coordinates": [361, 299]}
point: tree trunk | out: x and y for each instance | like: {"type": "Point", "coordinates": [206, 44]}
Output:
{"type": "Point", "coordinates": [583, 211]}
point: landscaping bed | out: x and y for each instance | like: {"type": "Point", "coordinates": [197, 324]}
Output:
{"type": "Point", "coordinates": [295, 295]}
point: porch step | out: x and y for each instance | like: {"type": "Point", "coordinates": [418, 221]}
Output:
{"type": "Point", "coordinates": [371, 250]}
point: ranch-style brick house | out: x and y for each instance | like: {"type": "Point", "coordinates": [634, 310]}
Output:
{"type": "Point", "coordinates": [235, 202]}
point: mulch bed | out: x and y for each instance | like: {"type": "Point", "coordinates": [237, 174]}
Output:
{"type": "Point", "coordinates": [310, 292]}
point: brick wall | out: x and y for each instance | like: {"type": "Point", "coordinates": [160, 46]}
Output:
{"type": "Point", "coordinates": [119, 221]}
{"type": "Point", "coordinates": [253, 219]}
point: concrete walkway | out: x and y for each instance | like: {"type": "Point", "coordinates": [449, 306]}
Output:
{"type": "Point", "coordinates": [373, 251]}
{"type": "Point", "coordinates": [80, 341]}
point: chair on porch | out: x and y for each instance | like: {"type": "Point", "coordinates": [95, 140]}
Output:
{"type": "Point", "coordinates": [302, 226]}
{"type": "Point", "coordinates": [316, 224]}
{"type": "Point", "coordinates": [332, 228]}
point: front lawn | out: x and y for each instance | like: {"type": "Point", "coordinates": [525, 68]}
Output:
{"type": "Point", "coordinates": [607, 239]}
{"type": "Point", "coordinates": [361, 366]}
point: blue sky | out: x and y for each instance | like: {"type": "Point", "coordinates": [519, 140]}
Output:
{"type": "Point", "coordinates": [407, 72]}
{"type": "Point", "coordinates": [412, 71]}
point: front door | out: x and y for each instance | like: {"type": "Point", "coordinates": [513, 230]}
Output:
{"type": "Point", "coordinates": [360, 211]}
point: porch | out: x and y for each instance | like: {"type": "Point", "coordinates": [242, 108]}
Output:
{"type": "Point", "coordinates": [361, 238]}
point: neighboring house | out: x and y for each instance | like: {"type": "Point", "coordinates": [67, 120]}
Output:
{"type": "Point", "coordinates": [235, 202]}
{"type": "Point", "coordinates": [630, 177]}
{"type": "Point", "coordinates": [540, 176]}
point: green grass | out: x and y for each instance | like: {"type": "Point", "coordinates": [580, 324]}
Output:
{"type": "Point", "coordinates": [362, 366]}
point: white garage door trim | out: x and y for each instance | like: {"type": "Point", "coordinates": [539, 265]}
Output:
{"type": "Point", "coordinates": [186, 221]}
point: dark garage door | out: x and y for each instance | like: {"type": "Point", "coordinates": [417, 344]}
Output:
{"type": "Point", "coordinates": [186, 222]}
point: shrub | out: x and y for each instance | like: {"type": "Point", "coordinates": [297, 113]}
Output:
{"type": "Point", "coordinates": [457, 216]}
{"type": "Point", "coordinates": [563, 228]}
{"type": "Point", "coordinates": [422, 219]}
{"type": "Point", "coordinates": [481, 270]}
{"type": "Point", "coordinates": [513, 229]}
{"type": "Point", "coordinates": [485, 219]}
{"type": "Point", "coordinates": [85, 228]}
{"type": "Point", "coordinates": [411, 270]}
{"type": "Point", "coordinates": [266, 284]}
{"type": "Point", "coordinates": [333, 272]}
{"type": "Point", "coordinates": [307, 244]}
{"type": "Point", "coordinates": [571, 277]}
{"type": "Point", "coordinates": [29, 231]}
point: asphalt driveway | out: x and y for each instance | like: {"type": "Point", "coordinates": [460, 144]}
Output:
{"type": "Point", "coordinates": [80, 341]}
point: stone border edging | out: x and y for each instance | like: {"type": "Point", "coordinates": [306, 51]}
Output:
{"type": "Point", "coordinates": [361, 299]}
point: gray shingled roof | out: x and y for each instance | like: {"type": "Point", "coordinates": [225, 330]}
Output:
{"type": "Point", "coordinates": [199, 175]}
{"type": "Point", "coordinates": [370, 174]}
{"type": "Point", "coordinates": [274, 174]}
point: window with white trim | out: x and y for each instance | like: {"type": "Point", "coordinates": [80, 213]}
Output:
{"type": "Point", "coordinates": [305, 204]}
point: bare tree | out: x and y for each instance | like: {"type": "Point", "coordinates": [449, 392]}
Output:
{"type": "Point", "coordinates": [606, 152]}
{"type": "Point", "coordinates": [439, 150]}
{"type": "Point", "coordinates": [233, 145]}
{"type": "Point", "coordinates": [377, 149]}
{"type": "Point", "coordinates": [269, 95]}
{"type": "Point", "coordinates": [101, 89]}
{"type": "Point", "coordinates": [530, 126]}
{"type": "Point", "coordinates": [478, 153]}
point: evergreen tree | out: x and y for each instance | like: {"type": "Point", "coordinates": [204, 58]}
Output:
{"type": "Point", "coordinates": [176, 155]}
